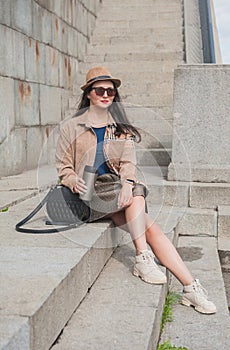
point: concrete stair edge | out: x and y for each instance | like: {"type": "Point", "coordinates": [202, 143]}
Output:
{"type": "Point", "coordinates": [58, 302]}
{"type": "Point", "coordinates": [183, 330]}
{"type": "Point", "coordinates": [75, 332]}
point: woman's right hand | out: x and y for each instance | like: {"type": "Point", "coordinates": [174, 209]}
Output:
{"type": "Point", "coordinates": [80, 186]}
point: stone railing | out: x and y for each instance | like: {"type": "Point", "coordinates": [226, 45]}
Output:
{"type": "Point", "coordinates": [200, 32]}
{"type": "Point", "coordinates": [201, 126]}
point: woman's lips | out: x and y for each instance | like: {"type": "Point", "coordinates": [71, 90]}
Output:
{"type": "Point", "coordinates": [104, 101]}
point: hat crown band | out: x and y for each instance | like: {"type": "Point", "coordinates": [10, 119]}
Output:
{"type": "Point", "coordinates": [99, 77]}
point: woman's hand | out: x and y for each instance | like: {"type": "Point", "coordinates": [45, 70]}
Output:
{"type": "Point", "coordinates": [125, 195]}
{"type": "Point", "coordinates": [80, 186]}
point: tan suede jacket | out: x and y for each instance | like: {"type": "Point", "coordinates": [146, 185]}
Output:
{"type": "Point", "coordinates": [77, 147]}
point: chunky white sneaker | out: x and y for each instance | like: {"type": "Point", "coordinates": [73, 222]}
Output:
{"type": "Point", "coordinates": [195, 295]}
{"type": "Point", "coordinates": [146, 268]}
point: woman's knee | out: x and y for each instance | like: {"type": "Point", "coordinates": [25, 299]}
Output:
{"type": "Point", "coordinates": [137, 201]}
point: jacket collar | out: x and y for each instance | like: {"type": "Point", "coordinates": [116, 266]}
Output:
{"type": "Point", "coordinates": [84, 120]}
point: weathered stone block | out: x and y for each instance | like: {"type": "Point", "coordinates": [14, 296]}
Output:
{"type": "Point", "coordinates": [67, 71]}
{"type": "Point", "coordinates": [5, 12]}
{"type": "Point", "coordinates": [50, 135]}
{"type": "Point", "coordinates": [63, 71]}
{"type": "Point", "coordinates": [224, 221]}
{"type": "Point", "coordinates": [50, 104]}
{"type": "Point", "coordinates": [11, 53]}
{"type": "Point", "coordinates": [37, 21]}
{"type": "Point", "coordinates": [72, 42]}
{"type": "Point", "coordinates": [46, 26]}
{"type": "Point", "coordinates": [169, 194]}
{"type": "Point", "coordinates": [198, 222]}
{"type": "Point", "coordinates": [22, 15]}
{"type": "Point", "coordinates": [91, 19]}
{"type": "Point", "coordinates": [14, 332]}
{"type": "Point", "coordinates": [35, 60]}
{"type": "Point", "coordinates": [18, 55]}
{"type": "Point", "coordinates": [81, 46]}
{"type": "Point", "coordinates": [7, 107]}
{"type": "Point", "coordinates": [51, 69]}
{"type": "Point", "coordinates": [209, 195]}
{"type": "Point", "coordinates": [56, 31]}
{"type": "Point", "coordinates": [13, 153]}
{"type": "Point", "coordinates": [26, 103]}
{"type": "Point", "coordinates": [81, 19]}
{"type": "Point", "coordinates": [34, 145]}
{"type": "Point", "coordinates": [6, 51]}
{"type": "Point", "coordinates": [65, 102]}
{"type": "Point", "coordinates": [201, 124]}
{"type": "Point", "coordinates": [55, 6]}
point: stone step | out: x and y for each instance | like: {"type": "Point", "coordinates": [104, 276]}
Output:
{"type": "Point", "coordinates": [128, 77]}
{"type": "Point", "coordinates": [198, 222]}
{"type": "Point", "coordinates": [137, 3]}
{"type": "Point", "coordinates": [109, 301]}
{"type": "Point", "coordinates": [148, 100]}
{"type": "Point", "coordinates": [45, 268]}
{"type": "Point", "coordinates": [132, 57]}
{"type": "Point", "coordinates": [223, 228]}
{"type": "Point", "coordinates": [135, 66]}
{"type": "Point", "coordinates": [136, 32]}
{"type": "Point", "coordinates": [188, 328]}
{"type": "Point", "coordinates": [209, 195]}
{"type": "Point", "coordinates": [157, 22]}
{"type": "Point", "coordinates": [119, 312]}
{"type": "Point", "coordinates": [52, 273]}
{"type": "Point", "coordinates": [134, 10]}
{"type": "Point", "coordinates": [153, 157]}
{"type": "Point", "coordinates": [130, 37]}
{"type": "Point", "coordinates": [159, 47]}
{"type": "Point", "coordinates": [17, 188]}
{"type": "Point", "coordinates": [186, 194]}
{"type": "Point", "coordinates": [48, 267]}
{"type": "Point", "coordinates": [149, 15]}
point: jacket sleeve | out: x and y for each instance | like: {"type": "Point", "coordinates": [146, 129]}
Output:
{"type": "Point", "coordinates": [65, 158]}
{"type": "Point", "coordinates": [128, 161]}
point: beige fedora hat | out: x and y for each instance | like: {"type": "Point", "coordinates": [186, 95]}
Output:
{"type": "Point", "coordinates": [99, 74]}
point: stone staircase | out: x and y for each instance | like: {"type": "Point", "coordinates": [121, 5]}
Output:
{"type": "Point", "coordinates": [75, 290]}
{"type": "Point", "coordinates": [142, 44]}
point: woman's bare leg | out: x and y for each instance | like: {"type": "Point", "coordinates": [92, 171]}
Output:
{"type": "Point", "coordinates": [166, 252]}
{"type": "Point", "coordinates": [135, 218]}
{"type": "Point", "coordinates": [144, 230]}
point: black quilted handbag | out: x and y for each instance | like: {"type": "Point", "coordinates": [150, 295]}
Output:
{"type": "Point", "coordinates": [64, 208]}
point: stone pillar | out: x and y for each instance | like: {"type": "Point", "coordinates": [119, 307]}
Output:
{"type": "Point", "coordinates": [201, 130]}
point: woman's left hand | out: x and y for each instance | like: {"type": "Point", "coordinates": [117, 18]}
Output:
{"type": "Point", "coordinates": [125, 195]}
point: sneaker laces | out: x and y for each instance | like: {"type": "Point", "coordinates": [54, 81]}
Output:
{"type": "Point", "coordinates": [199, 288]}
{"type": "Point", "coordinates": [148, 256]}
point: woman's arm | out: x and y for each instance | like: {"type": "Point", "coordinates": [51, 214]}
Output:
{"type": "Point", "coordinates": [127, 173]}
{"type": "Point", "coordinates": [65, 154]}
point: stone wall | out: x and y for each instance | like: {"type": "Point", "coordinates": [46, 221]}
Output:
{"type": "Point", "coordinates": [41, 45]}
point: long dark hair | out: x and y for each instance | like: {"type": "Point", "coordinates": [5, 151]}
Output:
{"type": "Point", "coordinates": [117, 111]}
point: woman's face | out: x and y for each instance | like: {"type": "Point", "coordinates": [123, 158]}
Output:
{"type": "Point", "coordinates": [103, 101]}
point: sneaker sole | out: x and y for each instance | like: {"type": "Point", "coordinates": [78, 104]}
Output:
{"type": "Point", "coordinates": [198, 308]}
{"type": "Point", "coordinates": [137, 274]}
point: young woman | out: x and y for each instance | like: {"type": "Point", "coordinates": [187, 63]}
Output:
{"type": "Point", "coordinates": [101, 135]}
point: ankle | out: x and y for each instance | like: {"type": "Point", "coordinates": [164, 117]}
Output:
{"type": "Point", "coordinates": [140, 251]}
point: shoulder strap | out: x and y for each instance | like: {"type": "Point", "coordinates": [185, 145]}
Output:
{"type": "Point", "coordinates": [50, 230]}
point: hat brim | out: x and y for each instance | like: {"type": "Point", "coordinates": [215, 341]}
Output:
{"type": "Point", "coordinates": [116, 81]}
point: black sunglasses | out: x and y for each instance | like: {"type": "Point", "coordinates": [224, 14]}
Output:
{"type": "Point", "coordinates": [100, 91]}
